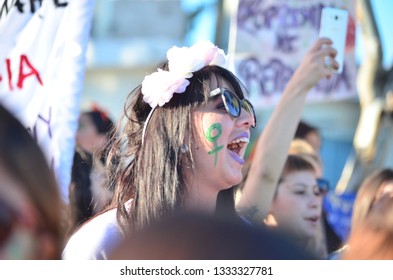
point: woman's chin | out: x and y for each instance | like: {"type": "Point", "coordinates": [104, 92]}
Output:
{"type": "Point", "coordinates": [233, 181]}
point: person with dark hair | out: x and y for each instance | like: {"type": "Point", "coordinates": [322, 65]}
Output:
{"type": "Point", "coordinates": [182, 143]}
{"type": "Point", "coordinates": [297, 204]}
{"type": "Point", "coordinates": [310, 134]}
{"type": "Point", "coordinates": [95, 135]}
{"type": "Point", "coordinates": [302, 148]}
{"type": "Point", "coordinates": [80, 207]}
{"type": "Point", "coordinates": [31, 210]}
{"type": "Point", "coordinates": [95, 132]}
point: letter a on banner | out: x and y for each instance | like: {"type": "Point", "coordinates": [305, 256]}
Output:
{"type": "Point", "coordinates": [42, 66]}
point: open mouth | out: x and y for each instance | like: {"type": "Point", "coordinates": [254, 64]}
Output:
{"type": "Point", "coordinates": [238, 145]}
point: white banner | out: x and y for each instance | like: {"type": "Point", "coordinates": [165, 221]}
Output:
{"type": "Point", "coordinates": [270, 38]}
{"type": "Point", "coordinates": [42, 64]}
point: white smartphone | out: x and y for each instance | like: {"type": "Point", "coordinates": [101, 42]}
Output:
{"type": "Point", "coordinates": [334, 24]}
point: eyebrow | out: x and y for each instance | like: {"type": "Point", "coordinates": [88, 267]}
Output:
{"type": "Point", "coordinates": [304, 185]}
{"type": "Point", "coordinates": [215, 97]}
{"type": "Point", "coordinates": [300, 185]}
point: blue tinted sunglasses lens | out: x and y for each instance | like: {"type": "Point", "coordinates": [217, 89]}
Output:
{"type": "Point", "coordinates": [232, 103]}
{"type": "Point", "coordinates": [250, 109]}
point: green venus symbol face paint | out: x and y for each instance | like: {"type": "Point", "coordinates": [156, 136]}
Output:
{"type": "Point", "coordinates": [212, 134]}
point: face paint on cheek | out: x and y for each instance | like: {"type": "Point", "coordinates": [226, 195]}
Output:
{"type": "Point", "coordinates": [212, 134]}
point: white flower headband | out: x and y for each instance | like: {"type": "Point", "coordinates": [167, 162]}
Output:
{"type": "Point", "coordinates": [159, 87]}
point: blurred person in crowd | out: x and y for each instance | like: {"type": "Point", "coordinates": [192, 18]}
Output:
{"type": "Point", "coordinates": [95, 135]}
{"type": "Point", "coordinates": [80, 207]}
{"type": "Point", "coordinates": [310, 134]}
{"type": "Point", "coordinates": [297, 204]}
{"type": "Point", "coordinates": [328, 238]}
{"type": "Point", "coordinates": [304, 149]}
{"type": "Point", "coordinates": [372, 237]}
{"type": "Point", "coordinates": [374, 187]}
{"type": "Point", "coordinates": [95, 132]}
{"type": "Point", "coordinates": [31, 210]}
{"type": "Point", "coordinates": [197, 236]}
{"type": "Point", "coordinates": [182, 143]}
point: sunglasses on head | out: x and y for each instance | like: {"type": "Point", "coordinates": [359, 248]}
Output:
{"type": "Point", "coordinates": [234, 104]}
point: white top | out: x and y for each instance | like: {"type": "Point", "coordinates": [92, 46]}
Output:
{"type": "Point", "coordinates": [95, 239]}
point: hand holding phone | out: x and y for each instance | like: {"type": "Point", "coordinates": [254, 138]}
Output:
{"type": "Point", "coordinates": [334, 24]}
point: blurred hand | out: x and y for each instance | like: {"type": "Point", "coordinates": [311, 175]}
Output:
{"type": "Point", "coordinates": [313, 67]}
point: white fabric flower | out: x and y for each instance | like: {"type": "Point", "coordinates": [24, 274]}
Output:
{"type": "Point", "coordinates": [220, 59]}
{"type": "Point", "coordinates": [183, 61]}
{"type": "Point", "coordinates": [206, 52]}
{"type": "Point", "coordinates": [159, 87]}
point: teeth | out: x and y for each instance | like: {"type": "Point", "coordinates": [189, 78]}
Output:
{"type": "Point", "coordinates": [243, 139]}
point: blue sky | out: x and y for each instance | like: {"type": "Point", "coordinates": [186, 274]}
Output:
{"type": "Point", "coordinates": [383, 9]}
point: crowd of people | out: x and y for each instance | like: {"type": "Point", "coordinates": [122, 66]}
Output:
{"type": "Point", "coordinates": [171, 180]}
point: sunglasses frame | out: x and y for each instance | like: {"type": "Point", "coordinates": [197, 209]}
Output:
{"type": "Point", "coordinates": [244, 103]}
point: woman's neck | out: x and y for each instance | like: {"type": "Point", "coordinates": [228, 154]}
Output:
{"type": "Point", "coordinates": [200, 198]}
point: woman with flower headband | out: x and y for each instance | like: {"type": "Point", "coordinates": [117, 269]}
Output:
{"type": "Point", "coordinates": [183, 140]}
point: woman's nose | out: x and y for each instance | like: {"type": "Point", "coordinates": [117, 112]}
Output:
{"type": "Point", "coordinates": [245, 119]}
{"type": "Point", "coordinates": [315, 201]}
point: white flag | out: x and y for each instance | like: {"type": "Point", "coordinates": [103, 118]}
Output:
{"type": "Point", "coordinates": [42, 63]}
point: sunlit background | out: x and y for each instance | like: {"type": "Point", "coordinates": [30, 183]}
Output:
{"type": "Point", "coordinates": [130, 37]}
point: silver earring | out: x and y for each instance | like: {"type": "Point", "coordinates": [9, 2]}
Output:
{"type": "Point", "coordinates": [183, 148]}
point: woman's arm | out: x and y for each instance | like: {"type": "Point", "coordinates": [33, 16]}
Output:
{"type": "Point", "coordinates": [272, 146]}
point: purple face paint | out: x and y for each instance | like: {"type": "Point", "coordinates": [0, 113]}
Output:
{"type": "Point", "coordinates": [236, 157]}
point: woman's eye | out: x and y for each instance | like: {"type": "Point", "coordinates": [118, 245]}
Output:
{"type": "Point", "coordinates": [318, 192]}
{"type": "Point", "coordinates": [220, 106]}
{"type": "Point", "coordinates": [300, 192]}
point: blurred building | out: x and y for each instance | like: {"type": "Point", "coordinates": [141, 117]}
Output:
{"type": "Point", "coordinates": [129, 38]}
